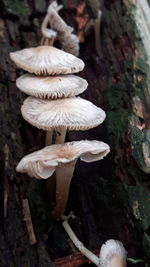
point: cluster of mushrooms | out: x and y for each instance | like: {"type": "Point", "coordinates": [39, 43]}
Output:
{"type": "Point", "coordinates": [53, 105]}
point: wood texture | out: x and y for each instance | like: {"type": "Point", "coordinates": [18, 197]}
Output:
{"type": "Point", "coordinates": [109, 198]}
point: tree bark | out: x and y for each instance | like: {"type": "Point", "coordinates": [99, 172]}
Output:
{"type": "Point", "coordinates": [110, 198]}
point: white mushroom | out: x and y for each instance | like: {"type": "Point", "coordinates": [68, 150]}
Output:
{"type": "Point", "coordinates": [51, 86]}
{"type": "Point", "coordinates": [69, 41]}
{"type": "Point", "coordinates": [49, 35]}
{"type": "Point", "coordinates": [46, 60]}
{"type": "Point", "coordinates": [61, 114]}
{"type": "Point", "coordinates": [113, 254]}
{"type": "Point", "coordinates": [62, 158]}
{"type": "Point", "coordinates": [56, 22]}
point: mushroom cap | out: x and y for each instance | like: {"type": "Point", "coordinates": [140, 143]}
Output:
{"type": "Point", "coordinates": [42, 163]}
{"type": "Point", "coordinates": [111, 249]}
{"type": "Point", "coordinates": [46, 60]}
{"type": "Point", "coordinates": [51, 86]}
{"type": "Point", "coordinates": [73, 113]}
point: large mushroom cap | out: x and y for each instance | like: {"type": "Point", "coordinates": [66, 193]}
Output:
{"type": "Point", "coordinates": [72, 113]}
{"type": "Point", "coordinates": [42, 163]}
{"type": "Point", "coordinates": [46, 60]}
{"type": "Point", "coordinates": [51, 86]}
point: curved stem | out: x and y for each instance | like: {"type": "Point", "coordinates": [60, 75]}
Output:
{"type": "Point", "coordinates": [91, 256]}
{"type": "Point", "coordinates": [49, 35]}
{"type": "Point", "coordinates": [64, 173]}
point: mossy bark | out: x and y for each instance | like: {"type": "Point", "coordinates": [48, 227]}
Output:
{"type": "Point", "coordinates": [111, 197]}
{"type": "Point", "coordinates": [125, 45]}
{"type": "Point", "coordinates": [17, 29]}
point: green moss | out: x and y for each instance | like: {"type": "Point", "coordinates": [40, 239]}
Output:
{"type": "Point", "coordinates": [139, 201]}
{"type": "Point", "coordinates": [114, 96]}
{"type": "Point", "coordinates": [146, 244]}
{"type": "Point", "coordinates": [128, 76]}
{"type": "Point", "coordinates": [17, 7]}
{"type": "Point", "coordinates": [40, 5]}
{"type": "Point", "coordinates": [140, 140]}
{"type": "Point", "coordinates": [117, 126]}
{"type": "Point", "coordinates": [36, 22]}
{"type": "Point", "coordinates": [136, 173]}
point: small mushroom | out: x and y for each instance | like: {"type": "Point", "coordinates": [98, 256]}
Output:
{"type": "Point", "coordinates": [51, 86]}
{"type": "Point", "coordinates": [62, 158]}
{"type": "Point", "coordinates": [113, 254]}
{"type": "Point", "coordinates": [96, 24]}
{"type": "Point", "coordinates": [56, 22]}
{"type": "Point", "coordinates": [69, 41]}
{"type": "Point", "coordinates": [61, 114]}
{"type": "Point", "coordinates": [49, 35]}
{"type": "Point", "coordinates": [46, 60]}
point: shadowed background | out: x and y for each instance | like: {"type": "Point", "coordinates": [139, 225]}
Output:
{"type": "Point", "coordinates": [110, 198]}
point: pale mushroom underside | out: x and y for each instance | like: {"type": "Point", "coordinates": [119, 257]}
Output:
{"type": "Point", "coordinates": [112, 248]}
{"type": "Point", "coordinates": [51, 86]}
{"type": "Point", "coordinates": [46, 60]}
{"type": "Point", "coordinates": [71, 113]}
{"type": "Point", "coordinates": [42, 163]}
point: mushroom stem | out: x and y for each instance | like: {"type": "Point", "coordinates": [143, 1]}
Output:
{"type": "Point", "coordinates": [49, 35]}
{"type": "Point", "coordinates": [60, 136]}
{"type": "Point", "coordinates": [117, 262]}
{"type": "Point", "coordinates": [50, 182]}
{"type": "Point", "coordinates": [64, 173]}
{"type": "Point", "coordinates": [48, 138]}
{"type": "Point", "coordinates": [91, 256]}
{"type": "Point", "coordinates": [97, 23]}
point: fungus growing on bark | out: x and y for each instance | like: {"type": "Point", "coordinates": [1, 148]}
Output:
{"type": "Point", "coordinates": [46, 60]}
{"type": "Point", "coordinates": [51, 86]}
{"type": "Point", "coordinates": [49, 35]}
{"type": "Point", "coordinates": [62, 158]}
{"type": "Point", "coordinates": [112, 253]}
{"type": "Point", "coordinates": [62, 114]}
{"type": "Point", "coordinates": [72, 113]}
{"type": "Point", "coordinates": [69, 42]}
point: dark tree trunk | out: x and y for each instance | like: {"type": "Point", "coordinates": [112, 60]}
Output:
{"type": "Point", "coordinates": [110, 198]}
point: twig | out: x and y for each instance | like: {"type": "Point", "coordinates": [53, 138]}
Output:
{"type": "Point", "coordinates": [6, 186]}
{"type": "Point", "coordinates": [28, 221]}
{"type": "Point", "coordinates": [5, 196]}
{"type": "Point", "coordinates": [73, 260]}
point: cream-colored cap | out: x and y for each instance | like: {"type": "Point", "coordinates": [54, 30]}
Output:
{"type": "Point", "coordinates": [42, 164]}
{"type": "Point", "coordinates": [113, 254]}
{"type": "Point", "coordinates": [51, 86]}
{"type": "Point", "coordinates": [46, 60]}
{"type": "Point", "coordinates": [73, 113]}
